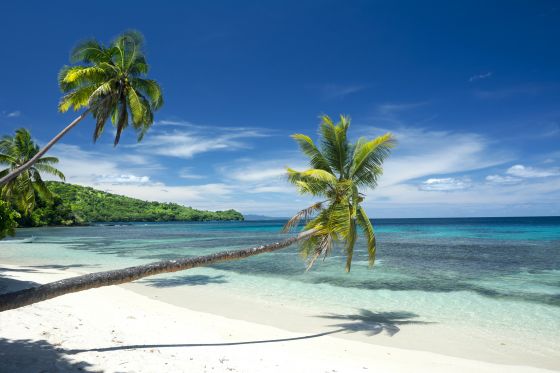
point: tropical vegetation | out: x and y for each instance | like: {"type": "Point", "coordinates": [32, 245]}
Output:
{"type": "Point", "coordinates": [24, 190]}
{"type": "Point", "coordinates": [78, 205]}
{"type": "Point", "coordinates": [92, 205]}
{"type": "Point", "coordinates": [110, 83]}
{"type": "Point", "coordinates": [340, 172]}
{"type": "Point", "coordinates": [8, 218]}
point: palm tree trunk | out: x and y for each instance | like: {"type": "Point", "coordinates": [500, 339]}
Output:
{"type": "Point", "coordinates": [14, 173]}
{"type": "Point", "coordinates": [94, 280]}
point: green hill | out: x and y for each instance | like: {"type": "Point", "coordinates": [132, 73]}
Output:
{"type": "Point", "coordinates": [76, 204]}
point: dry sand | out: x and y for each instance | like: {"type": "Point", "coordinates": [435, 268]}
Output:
{"type": "Point", "coordinates": [113, 329]}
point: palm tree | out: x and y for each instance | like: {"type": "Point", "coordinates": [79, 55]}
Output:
{"type": "Point", "coordinates": [14, 152]}
{"type": "Point", "coordinates": [109, 83]}
{"type": "Point", "coordinates": [338, 170]}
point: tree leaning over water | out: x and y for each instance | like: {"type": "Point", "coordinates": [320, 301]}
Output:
{"type": "Point", "coordinates": [109, 83]}
{"type": "Point", "coordinates": [339, 170]}
{"type": "Point", "coordinates": [16, 151]}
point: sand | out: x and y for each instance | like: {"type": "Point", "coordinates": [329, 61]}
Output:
{"type": "Point", "coordinates": [113, 329]}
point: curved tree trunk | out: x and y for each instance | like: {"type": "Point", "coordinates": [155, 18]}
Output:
{"type": "Point", "coordinates": [94, 280]}
{"type": "Point", "coordinates": [31, 162]}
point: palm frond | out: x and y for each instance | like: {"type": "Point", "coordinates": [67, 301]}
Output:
{"type": "Point", "coordinates": [41, 188]}
{"type": "Point", "coordinates": [77, 99]}
{"type": "Point", "coordinates": [49, 170]}
{"type": "Point", "coordinates": [350, 243]}
{"type": "Point", "coordinates": [368, 159]}
{"type": "Point", "coordinates": [136, 107]}
{"type": "Point", "coordinates": [72, 77]}
{"type": "Point", "coordinates": [90, 51]}
{"type": "Point", "coordinates": [129, 44]}
{"type": "Point", "coordinates": [334, 144]}
{"type": "Point", "coordinates": [304, 214]}
{"type": "Point", "coordinates": [47, 160]}
{"type": "Point", "coordinates": [309, 148]}
{"type": "Point", "coordinates": [150, 89]}
{"type": "Point", "coordinates": [364, 223]}
{"type": "Point", "coordinates": [121, 120]}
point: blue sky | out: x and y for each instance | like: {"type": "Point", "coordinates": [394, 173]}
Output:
{"type": "Point", "coordinates": [470, 89]}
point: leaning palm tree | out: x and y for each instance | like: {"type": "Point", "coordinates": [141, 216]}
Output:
{"type": "Point", "coordinates": [108, 82]}
{"type": "Point", "coordinates": [338, 172]}
{"type": "Point", "coordinates": [14, 152]}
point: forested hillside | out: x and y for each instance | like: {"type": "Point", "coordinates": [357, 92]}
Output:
{"type": "Point", "coordinates": [75, 204]}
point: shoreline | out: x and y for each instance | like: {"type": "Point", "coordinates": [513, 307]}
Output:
{"type": "Point", "coordinates": [375, 329]}
{"type": "Point", "coordinates": [110, 318]}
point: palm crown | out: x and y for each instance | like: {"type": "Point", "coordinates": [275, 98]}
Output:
{"type": "Point", "coordinates": [112, 84]}
{"type": "Point", "coordinates": [15, 151]}
{"type": "Point", "coordinates": [339, 171]}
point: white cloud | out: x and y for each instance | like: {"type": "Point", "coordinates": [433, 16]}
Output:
{"type": "Point", "coordinates": [445, 184]}
{"type": "Point", "coordinates": [254, 173]}
{"type": "Point", "coordinates": [332, 91]}
{"type": "Point", "coordinates": [421, 153]}
{"type": "Point", "coordinates": [192, 139]}
{"type": "Point", "coordinates": [480, 76]}
{"type": "Point", "coordinates": [530, 172]}
{"type": "Point", "coordinates": [503, 180]}
{"type": "Point", "coordinates": [187, 173]}
{"type": "Point", "coordinates": [14, 114]}
{"type": "Point", "coordinates": [390, 108]}
{"type": "Point", "coordinates": [122, 179]}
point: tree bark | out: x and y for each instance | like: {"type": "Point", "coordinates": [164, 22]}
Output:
{"type": "Point", "coordinates": [31, 162]}
{"type": "Point", "coordinates": [94, 280]}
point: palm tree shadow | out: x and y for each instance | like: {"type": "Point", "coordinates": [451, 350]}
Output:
{"type": "Point", "coordinates": [64, 267]}
{"type": "Point", "coordinates": [374, 323]}
{"type": "Point", "coordinates": [9, 284]}
{"type": "Point", "coordinates": [24, 355]}
{"type": "Point", "coordinates": [190, 280]}
{"type": "Point", "coordinates": [365, 321]}
{"type": "Point", "coordinates": [218, 344]}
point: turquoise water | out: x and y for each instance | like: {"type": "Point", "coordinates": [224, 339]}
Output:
{"type": "Point", "coordinates": [501, 275]}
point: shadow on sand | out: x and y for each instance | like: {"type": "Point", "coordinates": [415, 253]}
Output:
{"type": "Point", "coordinates": [23, 355]}
{"type": "Point", "coordinates": [365, 321]}
{"type": "Point", "coordinates": [8, 284]}
{"type": "Point", "coordinates": [192, 280]}
{"type": "Point", "coordinates": [64, 267]}
{"type": "Point", "coordinates": [373, 323]}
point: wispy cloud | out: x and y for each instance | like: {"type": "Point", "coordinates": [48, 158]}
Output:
{"type": "Point", "coordinates": [503, 180]}
{"type": "Point", "coordinates": [96, 168]}
{"type": "Point", "coordinates": [480, 76]}
{"type": "Point", "coordinates": [187, 173]}
{"type": "Point", "coordinates": [504, 93]}
{"type": "Point", "coordinates": [122, 179]}
{"type": "Point", "coordinates": [392, 108]}
{"type": "Point", "coordinates": [189, 140]}
{"type": "Point", "coordinates": [520, 170]}
{"type": "Point", "coordinates": [422, 153]}
{"type": "Point", "coordinates": [447, 184]}
{"type": "Point", "coordinates": [261, 176]}
{"type": "Point", "coordinates": [11, 114]}
{"type": "Point", "coordinates": [337, 91]}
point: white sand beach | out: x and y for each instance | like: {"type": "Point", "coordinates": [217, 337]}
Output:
{"type": "Point", "coordinates": [113, 329]}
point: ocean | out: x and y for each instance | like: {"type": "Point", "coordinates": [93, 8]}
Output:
{"type": "Point", "coordinates": [498, 276]}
